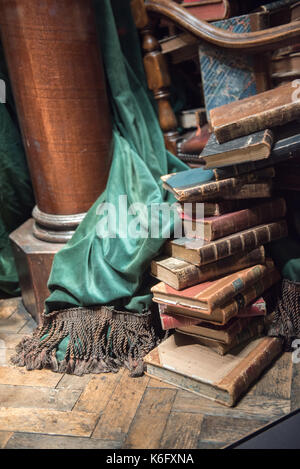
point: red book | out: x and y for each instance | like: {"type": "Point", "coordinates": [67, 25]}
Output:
{"type": "Point", "coordinates": [208, 10]}
{"type": "Point", "coordinates": [212, 228]}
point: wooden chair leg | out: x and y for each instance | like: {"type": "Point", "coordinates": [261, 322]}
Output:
{"type": "Point", "coordinates": [157, 74]}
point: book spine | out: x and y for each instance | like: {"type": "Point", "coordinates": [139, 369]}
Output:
{"type": "Point", "coordinates": [172, 322]}
{"type": "Point", "coordinates": [243, 219]}
{"type": "Point", "coordinates": [241, 283]}
{"type": "Point", "coordinates": [254, 123]}
{"type": "Point", "coordinates": [239, 380]}
{"type": "Point", "coordinates": [242, 300]}
{"type": "Point", "coordinates": [209, 12]}
{"type": "Point", "coordinates": [246, 241]}
{"type": "Point", "coordinates": [252, 191]}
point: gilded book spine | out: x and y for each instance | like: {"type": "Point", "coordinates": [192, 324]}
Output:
{"type": "Point", "coordinates": [246, 241]}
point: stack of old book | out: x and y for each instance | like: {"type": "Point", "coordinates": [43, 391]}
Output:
{"type": "Point", "coordinates": [214, 281]}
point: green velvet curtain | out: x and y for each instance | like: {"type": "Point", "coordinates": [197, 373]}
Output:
{"type": "Point", "coordinates": [16, 197]}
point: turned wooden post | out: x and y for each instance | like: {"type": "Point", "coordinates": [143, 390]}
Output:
{"type": "Point", "coordinates": [157, 74]}
{"type": "Point", "coordinates": [58, 83]}
{"type": "Point", "coordinates": [55, 68]}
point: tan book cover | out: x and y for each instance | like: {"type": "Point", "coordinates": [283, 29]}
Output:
{"type": "Point", "coordinates": [265, 110]}
{"type": "Point", "coordinates": [188, 365]}
{"type": "Point", "coordinates": [180, 274]}
{"type": "Point", "coordinates": [208, 296]}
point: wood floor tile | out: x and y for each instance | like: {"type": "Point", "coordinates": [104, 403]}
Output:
{"type": "Point", "coordinates": [4, 437]}
{"type": "Point", "coordinates": [8, 307]}
{"type": "Point", "coordinates": [202, 444]}
{"type": "Point", "coordinates": [117, 417]}
{"type": "Point", "coordinates": [226, 429]}
{"type": "Point", "coordinates": [182, 431]}
{"type": "Point", "coordinates": [276, 382]}
{"type": "Point", "coordinates": [28, 327]}
{"type": "Point", "coordinates": [47, 421]}
{"type": "Point", "coordinates": [151, 418]}
{"type": "Point", "coordinates": [15, 321]}
{"type": "Point", "coordinates": [37, 441]}
{"type": "Point", "coordinates": [252, 407]}
{"type": "Point", "coordinates": [77, 383]}
{"type": "Point", "coordinates": [38, 397]}
{"type": "Point", "coordinates": [10, 340]}
{"type": "Point", "coordinates": [21, 377]}
{"type": "Point", "coordinates": [98, 392]}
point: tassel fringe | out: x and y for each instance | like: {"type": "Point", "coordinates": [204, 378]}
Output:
{"type": "Point", "coordinates": [101, 340]}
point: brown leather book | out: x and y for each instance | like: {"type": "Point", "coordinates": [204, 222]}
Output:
{"type": "Point", "coordinates": [225, 313]}
{"type": "Point", "coordinates": [199, 252]}
{"type": "Point", "coordinates": [202, 192]}
{"type": "Point", "coordinates": [260, 190]}
{"type": "Point", "coordinates": [212, 228]}
{"type": "Point", "coordinates": [185, 363]}
{"type": "Point", "coordinates": [225, 334]}
{"type": "Point", "coordinates": [209, 10]}
{"type": "Point", "coordinates": [265, 110]}
{"type": "Point", "coordinates": [209, 296]}
{"type": "Point", "coordinates": [180, 274]}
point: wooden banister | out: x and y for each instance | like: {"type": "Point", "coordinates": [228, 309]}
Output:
{"type": "Point", "coordinates": [268, 39]}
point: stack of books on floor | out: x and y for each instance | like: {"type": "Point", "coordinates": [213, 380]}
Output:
{"type": "Point", "coordinates": [215, 281]}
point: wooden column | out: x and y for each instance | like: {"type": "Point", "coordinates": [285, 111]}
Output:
{"type": "Point", "coordinates": [157, 74]}
{"type": "Point", "coordinates": [59, 87]}
{"type": "Point", "coordinates": [56, 71]}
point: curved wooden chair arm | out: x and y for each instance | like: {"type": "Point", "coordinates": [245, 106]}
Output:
{"type": "Point", "coordinates": [268, 39]}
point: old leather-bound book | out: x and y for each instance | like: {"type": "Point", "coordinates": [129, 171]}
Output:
{"type": "Point", "coordinates": [260, 190]}
{"type": "Point", "coordinates": [210, 10]}
{"type": "Point", "coordinates": [190, 185]}
{"type": "Point", "coordinates": [285, 149]}
{"type": "Point", "coordinates": [253, 147]}
{"type": "Point", "coordinates": [224, 314]}
{"type": "Point", "coordinates": [224, 334]}
{"type": "Point", "coordinates": [180, 274]}
{"type": "Point", "coordinates": [208, 296]}
{"type": "Point", "coordinates": [211, 228]}
{"type": "Point", "coordinates": [185, 363]}
{"type": "Point", "coordinates": [265, 110]}
{"type": "Point", "coordinates": [199, 252]}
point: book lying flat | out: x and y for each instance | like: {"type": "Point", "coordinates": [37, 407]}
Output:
{"type": "Point", "coordinates": [253, 147]}
{"type": "Point", "coordinates": [215, 209]}
{"type": "Point", "coordinates": [224, 334]}
{"type": "Point", "coordinates": [188, 365]}
{"type": "Point", "coordinates": [260, 190]}
{"type": "Point", "coordinates": [170, 320]}
{"type": "Point", "coordinates": [222, 315]}
{"type": "Point", "coordinates": [191, 185]}
{"type": "Point", "coordinates": [199, 252]}
{"type": "Point", "coordinates": [265, 110]}
{"type": "Point", "coordinates": [211, 228]}
{"type": "Point", "coordinates": [208, 296]}
{"type": "Point", "coordinates": [285, 149]}
{"type": "Point", "coordinates": [180, 274]}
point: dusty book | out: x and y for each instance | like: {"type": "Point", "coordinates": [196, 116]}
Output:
{"type": "Point", "coordinates": [198, 185]}
{"type": "Point", "coordinates": [231, 310]}
{"type": "Point", "coordinates": [209, 10]}
{"type": "Point", "coordinates": [260, 190]}
{"type": "Point", "coordinates": [208, 296]}
{"type": "Point", "coordinates": [211, 228]}
{"type": "Point", "coordinates": [180, 274]}
{"type": "Point", "coordinates": [199, 252]}
{"type": "Point", "coordinates": [185, 363]}
{"type": "Point", "coordinates": [285, 149]}
{"type": "Point", "coordinates": [253, 147]}
{"type": "Point", "coordinates": [265, 110]}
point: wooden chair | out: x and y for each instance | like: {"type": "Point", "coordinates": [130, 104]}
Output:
{"type": "Point", "coordinates": [194, 31]}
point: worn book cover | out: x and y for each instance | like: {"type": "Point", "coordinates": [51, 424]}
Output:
{"type": "Point", "coordinates": [283, 150]}
{"type": "Point", "coordinates": [231, 310]}
{"type": "Point", "coordinates": [230, 334]}
{"type": "Point", "coordinates": [199, 252]}
{"type": "Point", "coordinates": [209, 10]}
{"type": "Point", "coordinates": [191, 186]}
{"type": "Point", "coordinates": [259, 190]}
{"type": "Point", "coordinates": [211, 228]}
{"type": "Point", "coordinates": [188, 365]}
{"type": "Point", "coordinates": [265, 110]}
{"type": "Point", "coordinates": [208, 296]}
{"type": "Point", "coordinates": [180, 274]}
{"type": "Point", "coordinates": [253, 147]}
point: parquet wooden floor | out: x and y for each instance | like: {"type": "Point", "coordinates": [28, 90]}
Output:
{"type": "Point", "coordinates": [41, 409]}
